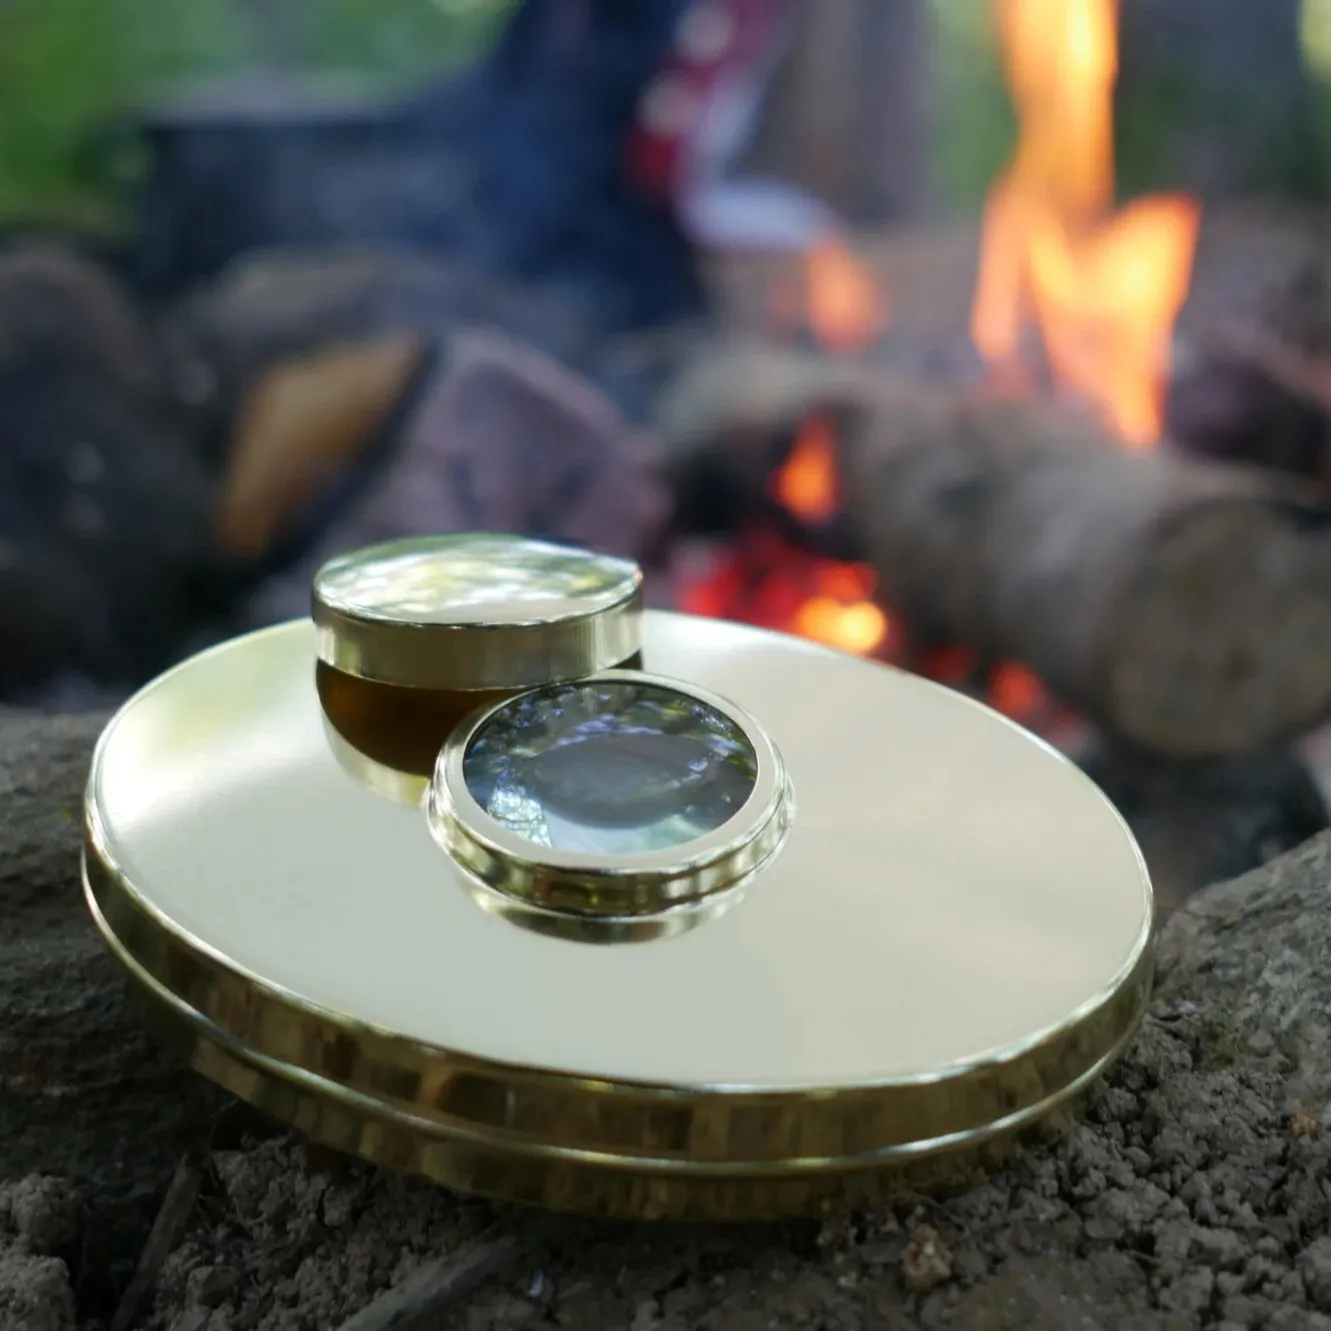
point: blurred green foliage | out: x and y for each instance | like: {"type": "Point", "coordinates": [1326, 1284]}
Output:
{"type": "Point", "coordinates": [68, 65]}
{"type": "Point", "coordinates": [973, 121]}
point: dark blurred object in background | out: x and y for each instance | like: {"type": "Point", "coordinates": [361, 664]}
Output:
{"type": "Point", "coordinates": [1214, 97]}
{"type": "Point", "coordinates": [514, 167]}
{"type": "Point", "coordinates": [106, 511]}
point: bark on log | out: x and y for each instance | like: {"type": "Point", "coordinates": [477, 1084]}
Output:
{"type": "Point", "coordinates": [1192, 1195]}
{"type": "Point", "coordinates": [1183, 606]}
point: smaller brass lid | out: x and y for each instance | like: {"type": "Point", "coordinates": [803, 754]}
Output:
{"type": "Point", "coordinates": [476, 611]}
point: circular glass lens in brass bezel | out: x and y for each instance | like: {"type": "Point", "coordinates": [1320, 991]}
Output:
{"type": "Point", "coordinates": [612, 886]}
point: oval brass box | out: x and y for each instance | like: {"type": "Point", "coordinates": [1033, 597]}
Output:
{"type": "Point", "coordinates": [949, 941]}
{"type": "Point", "coordinates": [414, 634]}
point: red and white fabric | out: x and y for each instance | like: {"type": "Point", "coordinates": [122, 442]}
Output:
{"type": "Point", "coordinates": [698, 114]}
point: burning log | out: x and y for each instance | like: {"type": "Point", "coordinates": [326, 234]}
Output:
{"type": "Point", "coordinates": [1183, 606]}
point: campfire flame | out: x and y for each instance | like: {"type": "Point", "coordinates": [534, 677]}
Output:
{"type": "Point", "coordinates": [1103, 288]}
{"type": "Point", "coordinates": [840, 612]}
{"type": "Point", "coordinates": [807, 484]}
{"type": "Point", "coordinates": [846, 308]}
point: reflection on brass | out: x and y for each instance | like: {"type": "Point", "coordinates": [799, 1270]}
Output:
{"type": "Point", "coordinates": [476, 611]}
{"type": "Point", "coordinates": [614, 886]}
{"type": "Point", "coordinates": [574, 927]}
{"type": "Point", "coordinates": [401, 787]}
{"type": "Point", "coordinates": [952, 944]}
{"type": "Point", "coordinates": [654, 1184]}
{"type": "Point", "coordinates": [398, 727]}
{"type": "Point", "coordinates": [401, 728]}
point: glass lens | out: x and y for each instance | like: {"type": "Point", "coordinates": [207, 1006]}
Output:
{"type": "Point", "coordinates": [614, 768]}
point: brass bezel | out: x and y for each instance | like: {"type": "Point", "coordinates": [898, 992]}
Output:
{"type": "Point", "coordinates": [613, 886]}
{"type": "Point", "coordinates": [574, 635]}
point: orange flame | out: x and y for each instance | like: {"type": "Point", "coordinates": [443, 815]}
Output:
{"type": "Point", "coordinates": [807, 483]}
{"type": "Point", "coordinates": [846, 309]}
{"type": "Point", "coordinates": [1103, 288]}
{"type": "Point", "coordinates": [839, 609]}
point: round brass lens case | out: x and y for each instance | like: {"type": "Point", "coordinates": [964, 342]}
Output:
{"type": "Point", "coordinates": [953, 941]}
{"type": "Point", "coordinates": [650, 817]}
{"type": "Point", "coordinates": [475, 612]}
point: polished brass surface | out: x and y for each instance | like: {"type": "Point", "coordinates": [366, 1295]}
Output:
{"type": "Point", "coordinates": [475, 612]}
{"type": "Point", "coordinates": [953, 939]}
{"type": "Point", "coordinates": [614, 886]}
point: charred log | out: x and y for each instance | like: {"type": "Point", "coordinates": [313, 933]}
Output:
{"type": "Point", "coordinates": [1184, 607]}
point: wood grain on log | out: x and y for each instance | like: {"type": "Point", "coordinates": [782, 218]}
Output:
{"type": "Point", "coordinates": [1183, 606]}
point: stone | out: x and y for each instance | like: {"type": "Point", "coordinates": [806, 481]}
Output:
{"type": "Point", "coordinates": [105, 506]}
{"type": "Point", "coordinates": [926, 1262]}
{"type": "Point", "coordinates": [46, 1213]}
{"type": "Point", "coordinates": [85, 1093]}
{"type": "Point", "coordinates": [495, 436]}
{"type": "Point", "coordinates": [1315, 1267]}
{"type": "Point", "coordinates": [35, 1293]}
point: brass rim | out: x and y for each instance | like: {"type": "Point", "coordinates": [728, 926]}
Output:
{"type": "Point", "coordinates": [613, 886]}
{"type": "Point", "coordinates": [607, 1185]}
{"type": "Point", "coordinates": [556, 1115]}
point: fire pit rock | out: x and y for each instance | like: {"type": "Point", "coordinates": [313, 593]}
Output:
{"type": "Point", "coordinates": [1191, 1195]}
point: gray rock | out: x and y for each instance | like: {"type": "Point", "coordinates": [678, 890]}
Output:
{"type": "Point", "coordinates": [1253, 957]}
{"type": "Point", "coordinates": [46, 1212]}
{"type": "Point", "coordinates": [35, 1293]}
{"type": "Point", "coordinates": [1315, 1267]}
{"type": "Point", "coordinates": [85, 1094]}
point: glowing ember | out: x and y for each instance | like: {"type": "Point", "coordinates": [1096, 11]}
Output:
{"type": "Point", "coordinates": [841, 613]}
{"type": "Point", "coordinates": [847, 311]}
{"type": "Point", "coordinates": [1015, 691]}
{"type": "Point", "coordinates": [860, 628]}
{"type": "Point", "coordinates": [765, 581]}
{"type": "Point", "coordinates": [807, 484]}
{"type": "Point", "coordinates": [1103, 288]}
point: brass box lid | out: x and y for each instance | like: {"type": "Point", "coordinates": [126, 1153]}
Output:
{"type": "Point", "coordinates": [475, 611]}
